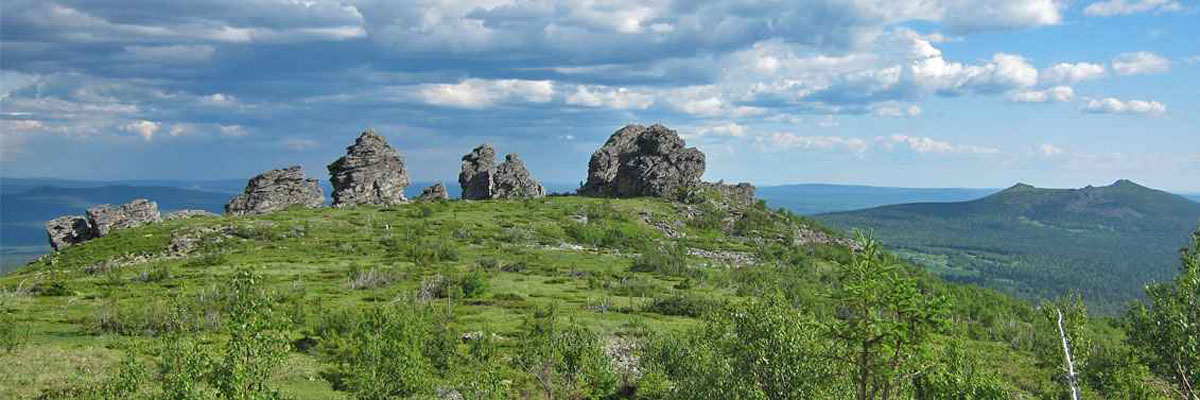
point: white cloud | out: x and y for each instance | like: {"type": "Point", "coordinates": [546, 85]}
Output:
{"type": "Point", "coordinates": [1142, 62]}
{"type": "Point", "coordinates": [300, 144]}
{"type": "Point", "coordinates": [145, 129]}
{"type": "Point", "coordinates": [1049, 150]}
{"type": "Point", "coordinates": [480, 93]}
{"type": "Point", "coordinates": [723, 130]}
{"type": "Point", "coordinates": [1070, 74]}
{"type": "Point", "coordinates": [1115, 106]}
{"type": "Point", "coordinates": [930, 145]}
{"type": "Point", "coordinates": [1057, 94]}
{"type": "Point", "coordinates": [786, 141]}
{"type": "Point", "coordinates": [1004, 72]}
{"type": "Point", "coordinates": [896, 110]}
{"type": "Point", "coordinates": [172, 54]}
{"type": "Point", "coordinates": [616, 98]}
{"type": "Point", "coordinates": [1110, 8]}
{"type": "Point", "coordinates": [219, 100]}
{"type": "Point", "coordinates": [1192, 59]}
{"type": "Point", "coordinates": [232, 130]}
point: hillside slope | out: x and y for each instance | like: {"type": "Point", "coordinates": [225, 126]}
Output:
{"type": "Point", "coordinates": [1106, 242]}
{"type": "Point", "coordinates": [817, 198]}
{"type": "Point", "coordinates": [626, 271]}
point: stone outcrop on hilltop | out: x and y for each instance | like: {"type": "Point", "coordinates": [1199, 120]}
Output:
{"type": "Point", "coordinates": [185, 214]}
{"type": "Point", "coordinates": [68, 230]}
{"type": "Point", "coordinates": [639, 161]}
{"type": "Point", "coordinates": [99, 221]}
{"type": "Point", "coordinates": [512, 181]}
{"type": "Point", "coordinates": [434, 193]}
{"type": "Point", "coordinates": [371, 172]}
{"type": "Point", "coordinates": [476, 174]}
{"type": "Point", "coordinates": [106, 217]}
{"type": "Point", "coordinates": [481, 179]}
{"type": "Point", "coordinates": [741, 193]}
{"type": "Point", "coordinates": [275, 190]}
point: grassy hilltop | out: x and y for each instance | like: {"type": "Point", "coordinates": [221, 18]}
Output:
{"type": "Point", "coordinates": [568, 297]}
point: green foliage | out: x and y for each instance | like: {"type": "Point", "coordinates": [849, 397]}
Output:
{"type": "Point", "coordinates": [884, 322]}
{"type": "Point", "coordinates": [564, 361]}
{"type": "Point", "coordinates": [684, 304]}
{"type": "Point", "coordinates": [1167, 333]}
{"type": "Point", "coordinates": [256, 342]}
{"type": "Point", "coordinates": [666, 259]}
{"type": "Point", "coordinates": [185, 368]}
{"type": "Point", "coordinates": [13, 334]}
{"type": "Point", "coordinates": [761, 350]}
{"type": "Point", "coordinates": [1048, 345]}
{"type": "Point", "coordinates": [387, 351]}
{"type": "Point", "coordinates": [956, 375]}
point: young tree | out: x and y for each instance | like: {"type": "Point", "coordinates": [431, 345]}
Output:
{"type": "Point", "coordinates": [883, 321]}
{"type": "Point", "coordinates": [1060, 331]}
{"type": "Point", "coordinates": [1167, 334]}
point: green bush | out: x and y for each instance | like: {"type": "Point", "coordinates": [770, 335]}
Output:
{"type": "Point", "coordinates": [256, 343]}
{"type": "Point", "coordinates": [385, 352]}
{"type": "Point", "coordinates": [564, 361]}
{"type": "Point", "coordinates": [666, 259]}
{"type": "Point", "coordinates": [12, 333]}
{"type": "Point", "coordinates": [681, 304]}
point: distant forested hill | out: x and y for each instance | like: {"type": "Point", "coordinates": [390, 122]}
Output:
{"type": "Point", "coordinates": [816, 198]}
{"type": "Point", "coordinates": [1106, 242]}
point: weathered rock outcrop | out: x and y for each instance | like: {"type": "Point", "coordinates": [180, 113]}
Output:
{"type": "Point", "coordinates": [371, 172]}
{"type": "Point", "coordinates": [184, 214]}
{"type": "Point", "coordinates": [482, 179]}
{"type": "Point", "coordinates": [737, 194]}
{"type": "Point", "coordinates": [106, 217]}
{"type": "Point", "coordinates": [434, 193]}
{"type": "Point", "coordinates": [275, 190]}
{"type": "Point", "coordinates": [68, 230]}
{"type": "Point", "coordinates": [638, 161]}
{"type": "Point", "coordinates": [512, 181]}
{"type": "Point", "coordinates": [476, 175]}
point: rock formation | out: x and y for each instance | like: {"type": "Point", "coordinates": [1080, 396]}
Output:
{"type": "Point", "coordinates": [482, 179]}
{"type": "Point", "coordinates": [738, 194]}
{"type": "Point", "coordinates": [371, 172]}
{"type": "Point", "coordinates": [512, 181]}
{"type": "Point", "coordinates": [184, 214]}
{"type": "Point", "coordinates": [106, 217]}
{"type": "Point", "coordinates": [639, 161]}
{"type": "Point", "coordinates": [68, 230]}
{"type": "Point", "coordinates": [434, 193]}
{"type": "Point", "coordinates": [476, 175]}
{"type": "Point", "coordinates": [275, 190]}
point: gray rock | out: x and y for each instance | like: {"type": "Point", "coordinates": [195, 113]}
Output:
{"type": "Point", "coordinates": [183, 214]}
{"type": "Point", "coordinates": [68, 230]}
{"type": "Point", "coordinates": [741, 194]}
{"type": "Point", "coordinates": [275, 190]}
{"type": "Point", "coordinates": [371, 172]}
{"type": "Point", "coordinates": [434, 193]}
{"type": "Point", "coordinates": [105, 217]}
{"type": "Point", "coordinates": [512, 181]}
{"type": "Point", "coordinates": [476, 175]}
{"type": "Point", "coordinates": [638, 161]}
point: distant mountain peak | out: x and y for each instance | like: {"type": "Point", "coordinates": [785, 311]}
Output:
{"type": "Point", "coordinates": [1019, 187]}
{"type": "Point", "coordinates": [1127, 184]}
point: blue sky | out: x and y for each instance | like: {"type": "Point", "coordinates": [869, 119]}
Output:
{"type": "Point", "coordinates": [923, 93]}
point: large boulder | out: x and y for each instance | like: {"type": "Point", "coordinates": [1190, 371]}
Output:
{"type": "Point", "coordinates": [275, 190]}
{"type": "Point", "coordinates": [68, 230]}
{"type": "Point", "coordinates": [434, 193]}
{"type": "Point", "coordinates": [637, 161]}
{"type": "Point", "coordinates": [512, 181]}
{"type": "Point", "coordinates": [105, 217]}
{"type": "Point", "coordinates": [476, 174]}
{"type": "Point", "coordinates": [371, 172]}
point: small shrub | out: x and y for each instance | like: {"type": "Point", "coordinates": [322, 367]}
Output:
{"type": "Point", "coordinates": [52, 288]}
{"type": "Point", "coordinates": [666, 259]}
{"type": "Point", "coordinates": [369, 278]}
{"type": "Point", "coordinates": [565, 361]}
{"type": "Point", "coordinates": [12, 336]}
{"type": "Point", "coordinates": [206, 260]}
{"type": "Point", "coordinates": [385, 351]}
{"type": "Point", "coordinates": [685, 305]}
{"type": "Point", "coordinates": [474, 283]}
{"type": "Point", "coordinates": [157, 272]}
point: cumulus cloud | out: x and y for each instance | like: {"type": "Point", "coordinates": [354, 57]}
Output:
{"type": "Point", "coordinates": [145, 129]}
{"type": "Point", "coordinates": [1142, 62]}
{"type": "Point", "coordinates": [896, 110]}
{"type": "Point", "coordinates": [1110, 8]}
{"type": "Point", "coordinates": [1116, 106]}
{"type": "Point", "coordinates": [608, 97]}
{"type": "Point", "coordinates": [171, 54]}
{"type": "Point", "coordinates": [1070, 74]}
{"type": "Point", "coordinates": [721, 130]}
{"type": "Point", "coordinates": [1057, 94]}
{"type": "Point", "coordinates": [232, 131]}
{"type": "Point", "coordinates": [934, 146]}
{"type": "Point", "coordinates": [480, 93]}
{"type": "Point", "coordinates": [787, 141]}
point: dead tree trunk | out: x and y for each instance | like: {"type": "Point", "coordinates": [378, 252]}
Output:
{"type": "Point", "coordinates": [1067, 355]}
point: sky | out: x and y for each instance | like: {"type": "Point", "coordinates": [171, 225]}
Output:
{"type": "Point", "coordinates": [919, 93]}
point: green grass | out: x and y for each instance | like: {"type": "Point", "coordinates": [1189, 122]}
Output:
{"type": "Point", "coordinates": [613, 274]}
